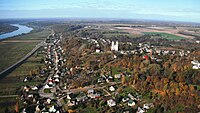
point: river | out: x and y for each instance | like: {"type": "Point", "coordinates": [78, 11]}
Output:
{"type": "Point", "coordinates": [22, 29]}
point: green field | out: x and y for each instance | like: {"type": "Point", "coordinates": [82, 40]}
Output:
{"type": "Point", "coordinates": [14, 80]}
{"type": "Point", "coordinates": [7, 103]}
{"type": "Point", "coordinates": [164, 35]}
{"type": "Point", "coordinates": [117, 34]}
{"type": "Point", "coordinates": [32, 63]}
{"type": "Point", "coordinates": [12, 52]}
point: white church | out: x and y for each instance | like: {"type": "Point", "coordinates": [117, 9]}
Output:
{"type": "Point", "coordinates": [114, 46]}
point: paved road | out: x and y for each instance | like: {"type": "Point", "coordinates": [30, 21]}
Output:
{"type": "Point", "coordinates": [89, 87]}
{"type": "Point", "coordinates": [8, 96]}
{"type": "Point", "coordinates": [41, 90]}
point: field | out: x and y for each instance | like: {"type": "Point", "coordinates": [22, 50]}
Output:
{"type": "Point", "coordinates": [6, 104]}
{"type": "Point", "coordinates": [14, 80]}
{"type": "Point", "coordinates": [165, 35]}
{"type": "Point", "coordinates": [117, 33]}
{"type": "Point", "coordinates": [31, 64]}
{"type": "Point", "coordinates": [34, 35]}
{"type": "Point", "coordinates": [11, 52]}
{"type": "Point", "coordinates": [142, 30]}
{"type": "Point", "coordinates": [16, 48]}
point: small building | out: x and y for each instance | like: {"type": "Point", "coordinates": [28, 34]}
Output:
{"type": "Point", "coordinates": [131, 103]}
{"type": "Point", "coordinates": [196, 64]}
{"type": "Point", "coordinates": [111, 102]}
{"type": "Point", "coordinates": [90, 91]}
{"type": "Point", "coordinates": [125, 99]}
{"type": "Point", "coordinates": [98, 50]}
{"type": "Point", "coordinates": [140, 110]}
{"type": "Point", "coordinates": [112, 88]}
{"type": "Point", "coordinates": [117, 76]}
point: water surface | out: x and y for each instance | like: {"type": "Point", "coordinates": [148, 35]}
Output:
{"type": "Point", "coordinates": [22, 29]}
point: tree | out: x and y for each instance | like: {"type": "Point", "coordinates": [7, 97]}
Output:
{"type": "Point", "coordinates": [154, 69]}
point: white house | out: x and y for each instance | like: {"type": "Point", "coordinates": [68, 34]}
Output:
{"type": "Point", "coordinates": [98, 50]}
{"type": "Point", "coordinates": [125, 99]}
{"type": "Point", "coordinates": [111, 103]}
{"type": "Point", "coordinates": [112, 88]}
{"type": "Point", "coordinates": [34, 88]}
{"type": "Point", "coordinates": [140, 110]}
{"type": "Point", "coordinates": [90, 91]}
{"type": "Point", "coordinates": [148, 106]}
{"type": "Point", "coordinates": [46, 86]}
{"type": "Point", "coordinates": [196, 64]}
{"type": "Point", "coordinates": [117, 75]}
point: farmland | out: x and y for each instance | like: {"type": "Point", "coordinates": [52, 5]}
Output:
{"type": "Point", "coordinates": [164, 35]}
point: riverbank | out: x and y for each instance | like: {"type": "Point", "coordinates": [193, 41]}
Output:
{"type": "Point", "coordinates": [6, 28]}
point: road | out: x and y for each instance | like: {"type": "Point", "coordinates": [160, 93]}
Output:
{"type": "Point", "coordinates": [76, 90]}
{"type": "Point", "coordinates": [9, 96]}
{"type": "Point", "coordinates": [41, 90]}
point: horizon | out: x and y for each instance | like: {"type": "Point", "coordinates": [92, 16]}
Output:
{"type": "Point", "coordinates": [155, 10]}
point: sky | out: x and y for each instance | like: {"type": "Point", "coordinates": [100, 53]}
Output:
{"type": "Point", "coordinates": [172, 10]}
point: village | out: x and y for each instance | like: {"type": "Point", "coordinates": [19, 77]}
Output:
{"type": "Point", "coordinates": [107, 92]}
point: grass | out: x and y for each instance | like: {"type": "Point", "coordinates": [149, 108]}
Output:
{"type": "Point", "coordinates": [26, 83]}
{"type": "Point", "coordinates": [7, 103]}
{"type": "Point", "coordinates": [11, 82]}
{"type": "Point", "coordinates": [165, 35]}
{"type": "Point", "coordinates": [47, 91]}
{"type": "Point", "coordinates": [117, 33]}
{"type": "Point", "coordinates": [89, 109]}
{"type": "Point", "coordinates": [32, 63]}
{"type": "Point", "coordinates": [116, 70]}
{"type": "Point", "coordinates": [12, 52]}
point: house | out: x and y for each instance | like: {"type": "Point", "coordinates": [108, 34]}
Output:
{"type": "Point", "coordinates": [34, 88]}
{"type": "Point", "coordinates": [48, 101]}
{"type": "Point", "coordinates": [26, 88]}
{"type": "Point", "coordinates": [131, 97]}
{"type": "Point", "coordinates": [56, 80]}
{"type": "Point", "coordinates": [140, 110]}
{"type": "Point", "coordinates": [117, 76]}
{"type": "Point", "coordinates": [98, 50]}
{"type": "Point", "coordinates": [131, 102]}
{"type": "Point", "coordinates": [111, 102]}
{"type": "Point", "coordinates": [148, 106]}
{"type": "Point", "coordinates": [83, 98]}
{"type": "Point", "coordinates": [46, 86]}
{"type": "Point", "coordinates": [52, 109]}
{"type": "Point", "coordinates": [112, 88]}
{"type": "Point", "coordinates": [56, 76]}
{"type": "Point", "coordinates": [196, 64]}
{"type": "Point", "coordinates": [146, 57]}
{"type": "Point", "coordinates": [125, 99]}
{"type": "Point", "coordinates": [90, 91]}
{"type": "Point", "coordinates": [94, 96]}
{"type": "Point", "coordinates": [71, 103]}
